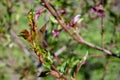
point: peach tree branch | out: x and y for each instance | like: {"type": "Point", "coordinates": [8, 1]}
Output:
{"type": "Point", "coordinates": [76, 35]}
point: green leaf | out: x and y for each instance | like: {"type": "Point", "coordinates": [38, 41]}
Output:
{"type": "Point", "coordinates": [47, 65]}
{"type": "Point", "coordinates": [81, 19]}
{"type": "Point", "coordinates": [62, 67]}
{"type": "Point", "coordinates": [49, 57]}
{"type": "Point", "coordinates": [53, 19]}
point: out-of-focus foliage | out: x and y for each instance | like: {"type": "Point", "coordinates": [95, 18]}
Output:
{"type": "Point", "coordinates": [16, 65]}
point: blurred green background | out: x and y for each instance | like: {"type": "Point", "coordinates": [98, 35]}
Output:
{"type": "Point", "coordinates": [16, 64]}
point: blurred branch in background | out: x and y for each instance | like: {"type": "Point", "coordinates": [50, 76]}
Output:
{"type": "Point", "coordinates": [17, 40]}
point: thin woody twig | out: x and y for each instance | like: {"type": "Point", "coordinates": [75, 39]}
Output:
{"type": "Point", "coordinates": [105, 69]}
{"type": "Point", "coordinates": [102, 32]}
{"type": "Point", "coordinates": [102, 27]}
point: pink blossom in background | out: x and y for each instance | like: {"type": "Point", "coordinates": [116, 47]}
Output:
{"type": "Point", "coordinates": [101, 13]}
{"type": "Point", "coordinates": [93, 10]}
{"type": "Point", "coordinates": [76, 18]}
{"type": "Point", "coordinates": [99, 10]}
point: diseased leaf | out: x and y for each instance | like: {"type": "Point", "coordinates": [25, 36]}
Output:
{"type": "Point", "coordinates": [26, 35]}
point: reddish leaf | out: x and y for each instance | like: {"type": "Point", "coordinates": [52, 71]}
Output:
{"type": "Point", "coordinates": [26, 35]}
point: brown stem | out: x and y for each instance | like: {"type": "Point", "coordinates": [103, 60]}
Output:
{"type": "Point", "coordinates": [105, 69]}
{"type": "Point", "coordinates": [102, 32]}
{"type": "Point", "coordinates": [102, 27]}
{"type": "Point", "coordinates": [76, 36]}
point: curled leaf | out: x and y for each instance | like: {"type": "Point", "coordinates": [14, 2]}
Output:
{"type": "Point", "coordinates": [26, 35]}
